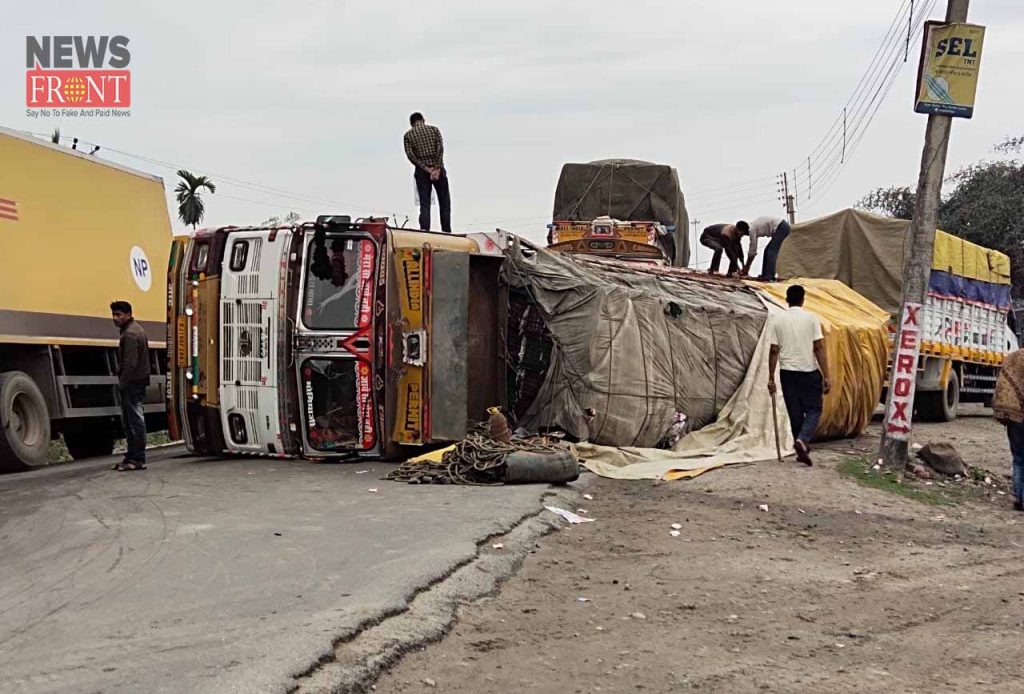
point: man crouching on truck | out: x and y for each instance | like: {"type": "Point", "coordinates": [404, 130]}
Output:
{"type": "Point", "coordinates": [133, 377]}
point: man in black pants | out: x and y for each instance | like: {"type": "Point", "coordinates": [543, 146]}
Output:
{"type": "Point", "coordinates": [425, 149]}
{"type": "Point", "coordinates": [133, 377]}
{"type": "Point", "coordinates": [725, 237]}
{"type": "Point", "coordinates": [798, 347]}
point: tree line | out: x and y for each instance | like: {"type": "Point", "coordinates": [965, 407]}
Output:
{"type": "Point", "coordinates": [984, 205]}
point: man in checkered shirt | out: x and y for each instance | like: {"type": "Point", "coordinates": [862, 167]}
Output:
{"type": "Point", "coordinates": [425, 149]}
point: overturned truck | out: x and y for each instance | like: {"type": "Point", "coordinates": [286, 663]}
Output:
{"type": "Point", "coordinates": [341, 339]}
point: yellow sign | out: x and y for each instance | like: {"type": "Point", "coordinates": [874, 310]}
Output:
{"type": "Point", "coordinates": [947, 77]}
{"type": "Point", "coordinates": [409, 269]}
{"type": "Point", "coordinates": [181, 343]}
{"type": "Point", "coordinates": [409, 423]}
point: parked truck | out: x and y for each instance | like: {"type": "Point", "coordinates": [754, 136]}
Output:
{"type": "Point", "coordinates": [623, 209]}
{"type": "Point", "coordinates": [968, 313]}
{"type": "Point", "coordinates": [76, 233]}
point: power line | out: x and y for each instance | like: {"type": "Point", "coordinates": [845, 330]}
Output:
{"type": "Point", "coordinates": [831, 170]}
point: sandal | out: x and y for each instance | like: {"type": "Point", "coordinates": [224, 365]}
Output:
{"type": "Point", "coordinates": [127, 466]}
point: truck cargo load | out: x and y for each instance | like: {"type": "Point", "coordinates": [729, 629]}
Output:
{"type": "Point", "coordinates": [630, 191]}
{"type": "Point", "coordinates": [637, 346]}
{"type": "Point", "coordinates": [966, 335]}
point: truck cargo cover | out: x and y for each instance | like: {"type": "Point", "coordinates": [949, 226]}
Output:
{"type": "Point", "coordinates": [628, 190]}
{"type": "Point", "coordinates": [635, 343]}
{"type": "Point", "coordinates": [865, 252]}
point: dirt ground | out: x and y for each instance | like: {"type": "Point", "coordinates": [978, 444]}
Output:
{"type": "Point", "coordinates": [836, 587]}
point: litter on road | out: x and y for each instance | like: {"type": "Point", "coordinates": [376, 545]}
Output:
{"type": "Point", "coordinates": [569, 515]}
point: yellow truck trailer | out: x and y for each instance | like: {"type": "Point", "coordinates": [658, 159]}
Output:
{"type": "Point", "coordinates": [76, 233]}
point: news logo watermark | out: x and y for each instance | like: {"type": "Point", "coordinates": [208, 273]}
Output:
{"type": "Point", "coordinates": [78, 76]}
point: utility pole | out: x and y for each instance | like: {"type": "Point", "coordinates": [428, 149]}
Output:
{"type": "Point", "coordinates": [917, 263]}
{"type": "Point", "coordinates": [790, 204]}
{"type": "Point", "coordinates": [696, 244]}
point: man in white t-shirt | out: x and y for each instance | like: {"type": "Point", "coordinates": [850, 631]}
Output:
{"type": "Point", "coordinates": [798, 349]}
{"type": "Point", "coordinates": [766, 227]}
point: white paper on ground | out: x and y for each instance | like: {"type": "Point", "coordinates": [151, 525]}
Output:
{"type": "Point", "coordinates": [569, 515]}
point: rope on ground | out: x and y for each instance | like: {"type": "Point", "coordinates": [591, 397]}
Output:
{"type": "Point", "coordinates": [476, 460]}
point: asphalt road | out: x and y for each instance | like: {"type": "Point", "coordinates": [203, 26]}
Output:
{"type": "Point", "coordinates": [217, 575]}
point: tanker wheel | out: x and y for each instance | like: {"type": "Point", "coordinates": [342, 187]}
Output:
{"type": "Point", "coordinates": [24, 423]}
{"type": "Point", "coordinates": [85, 441]}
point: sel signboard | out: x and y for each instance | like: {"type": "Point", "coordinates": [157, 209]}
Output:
{"type": "Point", "coordinates": [947, 76]}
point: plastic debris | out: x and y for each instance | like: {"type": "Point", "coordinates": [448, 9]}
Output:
{"type": "Point", "coordinates": [676, 526]}
{"type": "Point", "coordinates": [582, 599]}
{"type": "Point", "coordinates": [638, 615]}
{"type": "Point", "coordinates": [588, 497]}
{"type": "Point", "coordinates": [372, 491]}
{"type": "Point", "coordinates": [569, 515]}
{"type": "Point", "coordinates": [763, 507]}
{"type": "Point", "coordinates": [498, 545]}
{"type": "Point", "coordinates": [674, 533]}
{"type": "Point", "coordinates": [361, 472]}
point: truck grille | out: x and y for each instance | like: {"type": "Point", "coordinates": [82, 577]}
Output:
{"type": "Point", "coordinates": [243, 343]}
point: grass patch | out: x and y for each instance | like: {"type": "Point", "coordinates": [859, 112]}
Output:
{"type": "Point", "coordinates": [859, 470]}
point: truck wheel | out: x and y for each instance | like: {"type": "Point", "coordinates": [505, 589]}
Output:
{"type": "Point", "coordinates": [939, 405]}
{"type": "Point", "coordinates": [24, 423]}
{"type": "Point", "coordinates": [85, 443]}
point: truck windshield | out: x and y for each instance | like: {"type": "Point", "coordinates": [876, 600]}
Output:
{"type": "Point", "coordinates": [332, 403]}
{"type": "Point", "coordinates": [339, 292]}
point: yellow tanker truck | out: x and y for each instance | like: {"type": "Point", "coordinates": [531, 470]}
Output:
{"type": "Point", "coordinates": [76, 233]}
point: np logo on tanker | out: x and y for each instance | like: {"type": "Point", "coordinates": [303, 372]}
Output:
{"type": "Point", "coordinates": [75, 76]}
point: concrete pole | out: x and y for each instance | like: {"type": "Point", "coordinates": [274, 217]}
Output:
{"type": "Point", "coordinates": [917, 264]}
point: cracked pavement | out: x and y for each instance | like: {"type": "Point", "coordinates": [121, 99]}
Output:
{"type": "Point", "coordinates": [221, 575]}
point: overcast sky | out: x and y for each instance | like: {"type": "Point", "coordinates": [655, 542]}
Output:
{"type": "Point", "coordinates": [313, 98]}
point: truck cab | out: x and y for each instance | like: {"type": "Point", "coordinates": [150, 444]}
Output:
{"type": "Point", "coordinates": [334, 339]}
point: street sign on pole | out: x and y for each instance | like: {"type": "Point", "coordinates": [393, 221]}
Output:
{"type": "Point", "coordinates": [947, 75]}
{"type": "Point", "coordinates": [917, 262]}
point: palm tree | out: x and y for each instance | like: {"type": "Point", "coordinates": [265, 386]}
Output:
{"type": "Point", "coordinates": [190, 205]}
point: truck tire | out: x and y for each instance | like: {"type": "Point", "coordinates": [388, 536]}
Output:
{"type": "Point", "coordinates": [939, 405]}
{"type": "Point", "coordinates": [24, 423]}
{"type": "Point", "coordinates": [85, 442]}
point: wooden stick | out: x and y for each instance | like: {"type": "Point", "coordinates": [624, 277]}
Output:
{"type": "Point", "coordinates": [775, 425]}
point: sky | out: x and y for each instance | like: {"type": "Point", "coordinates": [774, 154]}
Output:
{"type": "Point", "coordinates": [311, 99]}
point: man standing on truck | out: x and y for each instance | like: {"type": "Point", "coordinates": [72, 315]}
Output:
{"type": "Point", "coordinates": [798, 348]}
{"type": "Point", "coordinates": [425, 149]}
{"type": "Point", "coordinates": [775, 229]}
{"type": "Point", "coordinates": [133, 377]}
{"type": "Point", "coordinates": [725, 237]}
{"type": "Point", "coordinates": [1008, 407]}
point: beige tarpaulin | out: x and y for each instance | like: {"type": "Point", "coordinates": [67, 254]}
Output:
{"type": "Point", "coordinates": [635, 343]}
{"type": "Point", "coordinates": [742, 434]}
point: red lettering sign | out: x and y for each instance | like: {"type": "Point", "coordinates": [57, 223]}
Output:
{"type": "Point", "coordinates": [78, 88]}
{"type": "Point", "coordinates": [899, 409]}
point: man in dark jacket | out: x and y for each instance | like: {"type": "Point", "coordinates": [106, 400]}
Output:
{"type": "Point", "coordinates": [1008, 406]}
{"type": "Point", "coordinates": [133, 377]}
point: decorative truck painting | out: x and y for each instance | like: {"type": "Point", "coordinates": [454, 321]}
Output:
{"type": "Point", "coordinates": [318, 340]}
